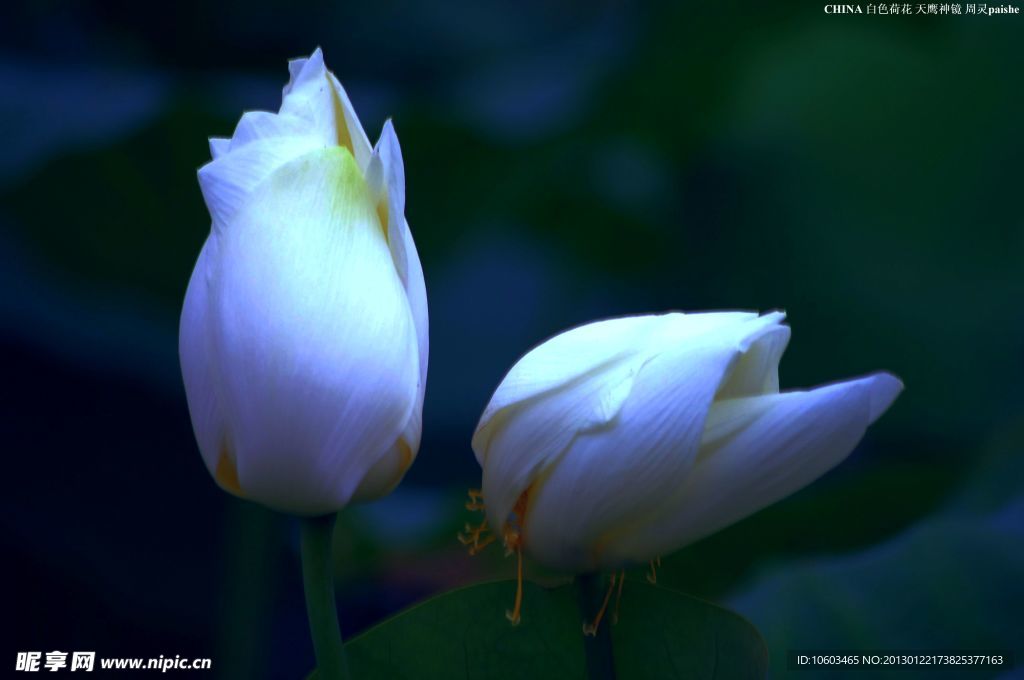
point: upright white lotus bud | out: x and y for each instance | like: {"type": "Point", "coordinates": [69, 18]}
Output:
{"type": "Point", "coordinates": [303, 336]}
{"type": "Point", "coordinates": [622, 440]}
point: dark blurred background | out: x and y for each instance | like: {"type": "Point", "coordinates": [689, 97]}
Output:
{"type": "Point", "coordinates": [564, 162]}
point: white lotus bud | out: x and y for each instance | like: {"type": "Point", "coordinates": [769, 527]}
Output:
{"type": "Point", "coordinates": [623, 440]}
{"type": "Point", "coordinates": [303, 337]}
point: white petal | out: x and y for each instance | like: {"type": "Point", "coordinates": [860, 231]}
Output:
{"type": "Point", "coordinates": [527, 440]}
{"type": "Point", "coordinates": [386, 473]}
{"type": "Point", "coordinates": [390, 153]}
{"type": "Point", "coordinates": [307, 80]}
{"type": "Point", "coordinates": [315, 337]}
{"type": "Point", "coordinates": [758, 369]}
{"type": "Point", "coordinates": [385, 177]}
{"type": "Point", "coordinates": [230, 179]}
{"type": "Point", "coordinates": [540, 421]}
{"type": "Point", "coordinates": [360, 143]}
{"type": "Point", "coordinates": [571, 354]}
{"type": "Point", "coordinates": [219, 146]}
{"type": "Point", "coordinates": [623, 472]}
{"type": "Point", "coordinates": [304, 72]}
{"type": "Point", "coordinates": [374, 174]}
{"type": "Point", "coordinates": [295, 69]}
{"type": "Point", "coordinates": [262, 125]}
{"type": "Point", "coordinates": [416, 292]}
{"type": "Point", "coordinates": [573, 382]}
{"type": "Point", "coordinates": [764, 449]}
{"type": "Point", "coordinates": [387, 160]}
{"type": "Point", "coordinates": [315, 113]}
{"type": "Point", "coordinates": [567, 357]}
{"type": "Point", "coordinates": [194, 354]}
{"type": "Point", "coordinates": [313, 93]}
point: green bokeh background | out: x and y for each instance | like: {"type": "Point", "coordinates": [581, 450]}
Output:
{"type": "Point", "coordinates": [563, 163]}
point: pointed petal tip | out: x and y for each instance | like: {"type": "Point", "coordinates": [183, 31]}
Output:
{"type": "Point", "coordinates": [317, 57]}
{"type": "Point", "coordinates": [219, 146]}
{"type": "Point", "coordinates": [388, 140]}
{"type": "Point", "coordinates": [885, 388]}
{"type": "Point", "coordinates": [299, 67]}
{"type": "Point", "coordinates": [317, 53]}
{"type": "Point", "coordinates": [769, 324]}
{"type": "Point", "coordinates": [203, 172]}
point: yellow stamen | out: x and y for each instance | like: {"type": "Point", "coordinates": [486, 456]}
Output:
{"type": "Point", "coordinates": [477, 547]}
{"type": "Point", "coordinates": [471, 536]}
{"type": "Point", "coordinates": [618, 597]}
{"type": "Point", "coordinates": [514, 615]}
{"type": "Point", "coordinates": [476, 500]}
{"type": "Point", "coordinates": [474, 536]}
{"type": "Point", "coordinates": [513, 538]}
{"type": "Point", "coordinates": [652, 575]}
{"type": "Point", "coordinates": [477, 538]}
{"type": "Point", "coordinates": [591, 629]}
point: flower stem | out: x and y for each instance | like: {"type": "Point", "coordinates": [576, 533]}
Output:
{"type": "Point", "coordinates": [318, 581]}
{"type": "Point", "coordinates": [598, 647]}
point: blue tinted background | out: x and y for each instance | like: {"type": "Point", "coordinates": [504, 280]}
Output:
{"type": "Point", "coordinates": [564, 163]}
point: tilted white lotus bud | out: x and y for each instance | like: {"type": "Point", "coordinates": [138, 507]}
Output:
{"type": "Point", "coordinates": [622, 440]}
{"type": "Point", "coordinates": [303, 336]}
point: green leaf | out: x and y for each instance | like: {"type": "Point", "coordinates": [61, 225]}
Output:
{"type": "Point", "coordinates": [464, 634]}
